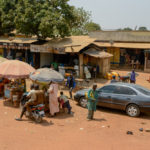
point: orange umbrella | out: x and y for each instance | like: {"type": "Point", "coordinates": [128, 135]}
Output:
{"type": "Point", "coordinates": [14, 69]}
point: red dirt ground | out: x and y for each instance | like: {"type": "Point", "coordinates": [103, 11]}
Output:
{"type": "Point", "coordinates": [73, 132]}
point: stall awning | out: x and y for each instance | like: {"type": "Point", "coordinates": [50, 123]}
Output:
{"type": "Point", "coordinates": [124, 45]}
{"type": "Point", "coordinates": [96, 53]}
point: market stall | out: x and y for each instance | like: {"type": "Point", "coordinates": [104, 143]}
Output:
{"type": "Point", "coordinates": [16, 71]}
{"type": "Point", "coordinates": [43, 77]}
{"type": "Point", "coordinates": [14, 90]}
{"type": "Point", "coordinates": [2, 80]}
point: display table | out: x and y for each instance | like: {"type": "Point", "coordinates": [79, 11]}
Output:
{"type": "Point", "coordinates": [13, 94]}
{"type": "Point", "coordinates": [79, 82]}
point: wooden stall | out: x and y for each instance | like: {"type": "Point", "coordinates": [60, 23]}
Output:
{"type": "Point", "coordinates": [98, 58]}
{"type": "Point", "coordinates": [147, 61]}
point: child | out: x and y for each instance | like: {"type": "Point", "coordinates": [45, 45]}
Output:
{"type": "Point", "coordinates": [65, 101]}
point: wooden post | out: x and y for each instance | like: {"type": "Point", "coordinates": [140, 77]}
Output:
{"type": "Point", "coordinates": [81, 65]}
{"type": "Point", "coordinates": [145, 64]}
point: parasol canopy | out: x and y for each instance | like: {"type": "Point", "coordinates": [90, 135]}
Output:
{"type": "Point", "coordinates": [46, 75]}
{"type": "Point", "coordinates": [2, 59]}
{"type": "Point", "coordinates": [14, 69]}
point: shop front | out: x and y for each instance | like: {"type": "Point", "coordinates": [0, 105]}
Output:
{"type": "Point", "coordinates": [56, 57]}
{"type": "Point", "coordinates": [18, 49]}
{"type": "Point", "coordinates": [147, 61]}
{"type": "Point", "coordinates": [127, 58]}
{"type": "Point", "coordinates": [97, 61]}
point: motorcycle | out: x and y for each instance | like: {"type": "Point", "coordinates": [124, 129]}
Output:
{"type": "Point", "coordinates": [37, 112]}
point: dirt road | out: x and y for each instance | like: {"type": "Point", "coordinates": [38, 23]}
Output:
{"type": "Point", "coordinates": [73, 132]}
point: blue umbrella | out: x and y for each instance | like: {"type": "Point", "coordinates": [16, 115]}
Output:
{"type": "Point", "coordinates": [46, 75]}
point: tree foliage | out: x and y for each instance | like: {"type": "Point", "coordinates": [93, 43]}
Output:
{"type": "Point", "coordinates": [91, 26]}
{"type": "Point", "coordinates": [125, 29]}
{"type": "Point", "coordinates": [143, 29]}
{"type": "Point", "coordinates": [7, 15]}
{"type": "Point", "coordinates": [85, 23]}
{"type": "Point", "coordinates": [45, 18]}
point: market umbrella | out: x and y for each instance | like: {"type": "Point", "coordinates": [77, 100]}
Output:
{"type": "Point", "coordinates": [2, 59]}
{"type": "Point", "coordinates": [46, 75]}
{"type": "Point", "coordinates": [14, 69]}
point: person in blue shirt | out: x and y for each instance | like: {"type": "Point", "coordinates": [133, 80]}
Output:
{"type": "Point", "coordinates": [113, 79]}
{"type": "Point", "coordinates": [133, 77]}
{"type": "Point", "coordinates": [71, 84]}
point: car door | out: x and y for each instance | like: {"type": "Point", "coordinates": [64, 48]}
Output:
{"type": "Point", "coordinates": [104, 96]}
{"type": "Point", "coordinates": [122, 96]}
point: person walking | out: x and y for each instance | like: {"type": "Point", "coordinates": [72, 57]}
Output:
{"type": "Point", "coordinates": [133, 77]}
{"type": "Point", "coordinates": [71, 84]}
{"type": "Point", "coordinates": [53, 101]}
{"type": "Point", "coordinates": [92, 101]}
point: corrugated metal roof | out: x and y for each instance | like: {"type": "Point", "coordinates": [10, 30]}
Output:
{"type": "Point", "coordinates": [98, 54]}
{"type": "Point", "coordinates": [71, 44]}
{"type": "Point", "coordinates": [18, 40]}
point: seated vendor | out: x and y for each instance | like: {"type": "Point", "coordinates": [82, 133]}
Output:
{"type": "Point", "coordinates": [64, 102]}
{"type": "Point", "coordinates": [113, 79]}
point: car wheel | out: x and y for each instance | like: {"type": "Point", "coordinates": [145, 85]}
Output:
{"type": "Point", "coordinates": [83, 102]}
{"type": "Point", "coordinates": [133, 110]}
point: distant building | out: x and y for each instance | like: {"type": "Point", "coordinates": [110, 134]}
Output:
{"type": "Point", "coordinates": [130, 49]}
{"type": "Point", "coordinates": [66, 51]}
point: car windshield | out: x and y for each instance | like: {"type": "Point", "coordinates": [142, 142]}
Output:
{"type": "Point", "coordinates": [143, 91]}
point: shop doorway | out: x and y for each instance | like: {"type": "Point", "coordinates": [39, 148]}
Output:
{"type": "Point", "coordinates": [132, 58]}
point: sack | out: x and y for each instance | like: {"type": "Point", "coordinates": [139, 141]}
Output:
{"type": "Point", "coordinates": [86, 95]}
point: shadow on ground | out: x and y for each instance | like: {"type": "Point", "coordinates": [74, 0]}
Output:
{"type": "Point", "coordinates": [63, 116]}
{"type": "Point", "coordinates": [123, 113]}
{"type": "Point", "coordinates": [8, 103]}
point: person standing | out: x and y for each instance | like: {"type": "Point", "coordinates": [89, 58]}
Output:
{"type": "Point", "coordinates": [92, 101]}
{"type": "Point", "coordinates": [87, 72]}
{"type": "Point", "coordinates": [71, 84]}
{"type": "Point", "coordinates": [53, 101]}
{"type": "Point", "coordinates": [133, 77]}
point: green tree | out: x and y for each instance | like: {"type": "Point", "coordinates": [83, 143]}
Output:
{"type": "Point", "coordinates": [85, 24]}
{"type": "Point", "coordinates": [127, 29]}
{"type": "Point", "coordinates": [45, 18]}
{"type": "Point", "coordinates": [124, 29]}
{"type": "Point", "coordinates": [7, 15]}
{"type": "Point", "coordinates": [143, 29]}
{"type": "Point", "coordinates": [83, 18]}
{"type": "Point", "coordinates": [91, 26]}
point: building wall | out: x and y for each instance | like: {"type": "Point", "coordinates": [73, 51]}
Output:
{"type": "Point", "coordinates": [104, 65]}
{"type": "Point", "coordinates": [116, 55]}
{"type": "Point", "coordinates": [45, 59]}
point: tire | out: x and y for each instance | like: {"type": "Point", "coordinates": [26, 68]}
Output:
{"type": "Point", "coordinates": [38, 119]}
{"type": "Point", "coordinates": [83, 102]}
{"type": "Point", "coordinates": [133, 110]}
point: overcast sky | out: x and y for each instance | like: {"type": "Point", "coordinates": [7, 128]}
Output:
{"type": "Point", "coordinates": [114, 14]}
